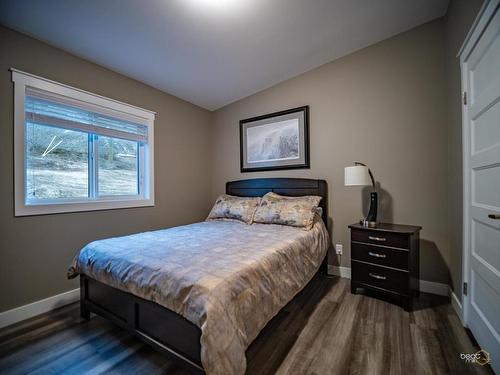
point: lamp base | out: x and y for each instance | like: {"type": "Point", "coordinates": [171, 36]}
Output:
{"type": "Point", "coordinates": [368, 224]}
{"type": "Point", "coordinates": [372, 213]}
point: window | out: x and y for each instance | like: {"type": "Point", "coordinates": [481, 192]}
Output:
{"type": "Point", "coordinates": [76, 151]}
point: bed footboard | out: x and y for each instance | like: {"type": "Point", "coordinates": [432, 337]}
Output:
{"type": "Point", "coordinates": [158, 326]}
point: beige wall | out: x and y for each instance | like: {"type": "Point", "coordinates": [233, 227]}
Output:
{"type": "Point", "coordinates": [384, 105]}
{"type": "Point", "coordinates": [394, 105]}
{"type": "Point", "coordinates": [459, 18]}
{"type": "Point", "coordinates": [35, 251]}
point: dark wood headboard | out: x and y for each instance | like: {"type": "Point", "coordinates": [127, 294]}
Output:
{"type": "Point", "coordinates": [283, 186]}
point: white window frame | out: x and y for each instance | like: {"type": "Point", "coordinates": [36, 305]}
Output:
{"type": "Point", "coordinates": [22, 80]}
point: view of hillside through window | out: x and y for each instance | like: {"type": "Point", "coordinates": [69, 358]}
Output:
{"type": "Point", "coordinates": [117, 167]}
{"type": "Point", "coordinates": [57, 164]}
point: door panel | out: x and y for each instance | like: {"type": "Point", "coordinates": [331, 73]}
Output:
{"type": "Point", "coordinates": [482, 291]}
{"type": "Point", "coordinates": [481, 74]}
{"type": "Point", "coordinates": [480, 324]}
{"type": "Point", "coordinates": [481, 214]}
{"type": "Point", "coordinates": [488, 274]}
{"type": "Point", "coordinates": [485, 243]}
{"type": "Point", "coordinates": [485, 157]}
{"type": "Point", "coordinates": [485, 129]}
{"type": "Point", "coordinates": [486, 186]}
{"type": "Point", "coordinates": [486, 66]}
{"type": "Point", "coordinates": [484, 100]}
{"type": "Point", "coordinates": [484, 61]}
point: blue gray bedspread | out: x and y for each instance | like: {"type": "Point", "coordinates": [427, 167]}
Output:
{"type": "Point", "coordinates": [226, 277]}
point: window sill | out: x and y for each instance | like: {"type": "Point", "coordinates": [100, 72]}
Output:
{"type": "Point", "coordinates": [55, 208]}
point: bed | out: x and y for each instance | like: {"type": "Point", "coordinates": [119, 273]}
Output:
{"type": "Point", "coordinates": [221, 285]}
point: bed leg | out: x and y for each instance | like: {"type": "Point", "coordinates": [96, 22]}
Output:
{"type": "Point", "coordinates": [324, 266]}
{"type": "Point", "coordinates": [84, 312]}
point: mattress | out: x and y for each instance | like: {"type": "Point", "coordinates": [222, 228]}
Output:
{"type": "Point", "coordinates": [226, 277]}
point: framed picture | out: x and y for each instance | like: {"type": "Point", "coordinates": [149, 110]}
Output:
{"type": "Point", "coordinates": [275, 141]}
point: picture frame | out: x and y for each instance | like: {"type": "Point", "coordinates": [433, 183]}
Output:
{"type": "Point", "coordinates": [275, 141]}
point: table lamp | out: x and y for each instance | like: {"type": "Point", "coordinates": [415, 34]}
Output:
{"type": "Point", "coordinates": [360, 175]}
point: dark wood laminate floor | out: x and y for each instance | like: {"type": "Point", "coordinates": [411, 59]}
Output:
{"type": "Point", "coordinates": [325, 330]}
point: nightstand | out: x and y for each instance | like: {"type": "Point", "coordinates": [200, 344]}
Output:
{"type": "Point", "coordinates": [386, 259]}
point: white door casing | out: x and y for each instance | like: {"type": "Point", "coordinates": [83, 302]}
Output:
{"type": "Point", "coordinates": [480, 64]}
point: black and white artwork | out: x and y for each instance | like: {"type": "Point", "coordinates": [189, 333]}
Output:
{"type": "Point", "coordinates": [271, 142]}
{"type": "Point", "coordinates": [275, 141]}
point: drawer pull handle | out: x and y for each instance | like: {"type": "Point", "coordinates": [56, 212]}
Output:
{"type": "Point", "coordinates": [494, 217]}
{"type": "Point", "coordinates": [375, 276]}
{"type": "Point", "coordinates": [377, 255]}
{"type": "Point", "coordinates": [381, 239]}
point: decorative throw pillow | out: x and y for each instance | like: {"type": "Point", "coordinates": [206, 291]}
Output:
{"type": "Point", "coordinates": [234, 208]}
{"type": "Point", "coordinates": [293, 211]}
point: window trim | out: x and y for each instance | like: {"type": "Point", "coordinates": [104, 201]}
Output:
{"type": "Point", "coordinates": [127, 112]}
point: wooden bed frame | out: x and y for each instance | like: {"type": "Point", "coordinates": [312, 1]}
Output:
{"type": "Point", "coordinates": [162, 328]}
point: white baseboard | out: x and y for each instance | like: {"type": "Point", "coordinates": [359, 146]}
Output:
{"type": "Point", "coordinates": [435, 288]}
{"type": "Point", "coordinates": [45, 305]}
{"type": "Point", "coordinates": [457, 306]}
{"type": "Point", "coordinates": [425, 286]}
{"type": "Point", "coordinates": [344, 272]}
{"type": "Point", "coordinates": [39, 307]}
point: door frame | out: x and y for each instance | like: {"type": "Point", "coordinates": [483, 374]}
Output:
{"type": "Point", "coordinates": [482, 20]}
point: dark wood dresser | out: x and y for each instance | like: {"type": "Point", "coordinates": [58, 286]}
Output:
{"type": "Point", "coordinates": [386, 259]}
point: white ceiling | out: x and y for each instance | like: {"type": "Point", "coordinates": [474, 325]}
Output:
{"type": "Point", "coordinates": [214, 52]}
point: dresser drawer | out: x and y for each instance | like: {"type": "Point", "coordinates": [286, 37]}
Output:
{"type": "Point", "coordinates": [380, 277]}
{"type": "Point", "coordinates": [380, 255]}
{"type": "Point", "coordinates": [381, 238]}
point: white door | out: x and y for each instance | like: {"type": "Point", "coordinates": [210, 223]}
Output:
{"type": "Point", "coordinates": [481, 82]}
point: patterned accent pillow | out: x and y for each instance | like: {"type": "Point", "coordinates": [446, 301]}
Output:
{"type": "Point", "coordinates": [234, 208]}
{"type": "Point", "coordinates": [293, 211]}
